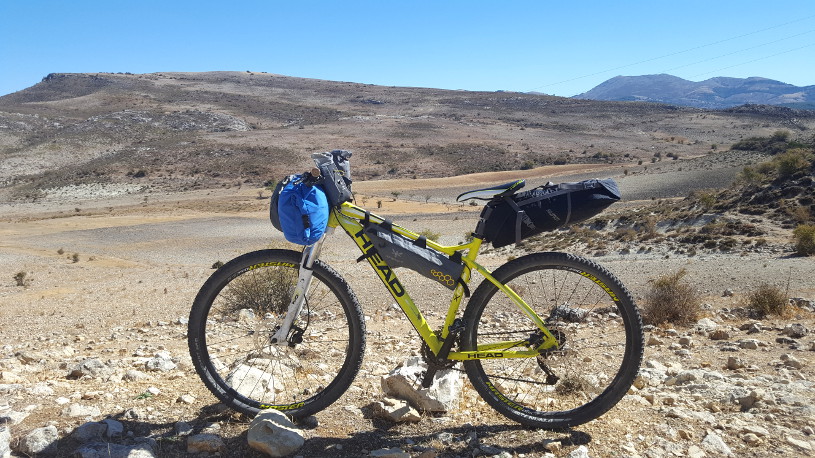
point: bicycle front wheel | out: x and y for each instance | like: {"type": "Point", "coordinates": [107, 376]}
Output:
{"type": "Point", "coordinates": [237, 312]}
{"type": "Point", "coordinates": [595, 321]}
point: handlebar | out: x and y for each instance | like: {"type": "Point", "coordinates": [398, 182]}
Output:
{"type": "Point", "coordinates": [340, 159]}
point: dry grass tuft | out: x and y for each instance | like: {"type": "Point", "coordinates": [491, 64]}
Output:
{"type": "Point", "coordinates": [671, 300]}
{"type": "Point", "coordinates": [768, 300]}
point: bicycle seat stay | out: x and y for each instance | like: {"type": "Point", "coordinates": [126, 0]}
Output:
{"type": "Point", "coordinates": [491, 193]}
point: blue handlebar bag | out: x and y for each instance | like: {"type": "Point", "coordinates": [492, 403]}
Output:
{"type": "Point", "coordinates": [303, 212]}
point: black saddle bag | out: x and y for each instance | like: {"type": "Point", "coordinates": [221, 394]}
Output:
{"type": "Point", "coordinates": [546, 208]}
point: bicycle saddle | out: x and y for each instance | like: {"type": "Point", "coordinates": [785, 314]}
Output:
{"type": "Point", "coordinates": [491, 193]}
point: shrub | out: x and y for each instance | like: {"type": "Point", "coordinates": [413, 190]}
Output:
{"type": "Point", "coordinates": [792, 161]}
{"type": "Point", "coordinates": [21, 278]}
{"type": "Point", "coordinates": [430, 235]}
{"type": "Point", "coordinates": [768, 300]}
{"type": "Point", "coordinates": [671, 300]}
{"type": "Point", "coordinates": [804, 236]}
{"type": "Point", "coordinates": [749, 176]}
{"type": "Point", "coordinates": [262, 291]}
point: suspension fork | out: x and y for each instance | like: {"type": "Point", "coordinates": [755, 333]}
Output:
{"type": "Point", "coordinates": [310, 255]}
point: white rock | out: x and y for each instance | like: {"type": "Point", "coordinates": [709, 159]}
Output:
{"type": "Point", "coordinates": [160, 363]}
{"type": "Point", "coordinates": [696, 452]}
{"type": "Point", "coordinates": [396, 410]}
{"type": "Point", "coordinates": [389, 453]}
{"type": "Point", "coordinates": [706, 325]}
{"type": "Point", "coordinates": [40, 441]}
{"type": "Point", "coordinates": [5, 438]}
{"type": "Point", "coordinates": [186, 399]}
{"type": "Point", "coordinates": [253, 382]}
{"type": "Point", "coordinates": [110, 450]}
{"type": "Point", "coordinates": [442, 396]}
{"type": "Point", "coordinates": [272, 433]}
{"type": "Point", "coordinates": [801, 444]}
{"type": "Point", "coordinates": [713, 443]}
{"type": "Point", "coordinates": [133, 375]}
{"type": "Point", "coordinates": [78, 410]}
{"type": "Point", "coordinates": [580, 452]}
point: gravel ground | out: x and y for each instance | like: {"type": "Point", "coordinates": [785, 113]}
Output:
{"type": "Point", "coordinates": [140, 265]}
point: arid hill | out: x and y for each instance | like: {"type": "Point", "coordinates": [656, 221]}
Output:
{"type": "Point", "coordinates": [181, 131]}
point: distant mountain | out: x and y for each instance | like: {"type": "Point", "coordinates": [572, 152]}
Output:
{"type": "Point", "coordinates": [719, 92]}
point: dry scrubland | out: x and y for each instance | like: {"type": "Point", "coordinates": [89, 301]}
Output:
{"type": "Point", "coordinates": [121, 191]}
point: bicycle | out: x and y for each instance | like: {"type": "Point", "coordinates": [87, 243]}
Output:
{"type": "Point", "coordinates": [550, 340]}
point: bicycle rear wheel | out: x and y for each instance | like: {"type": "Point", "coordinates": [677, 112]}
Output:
{"type": "Point", "coordinates": [595, 321]}
{"type": "Point", "coordinates": [236, 313]}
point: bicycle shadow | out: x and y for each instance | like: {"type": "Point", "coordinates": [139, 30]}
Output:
{"type": "Point", "coordinates": [164, 438]}
{"type": "Point", "coordinates": [443, 440]}
{"type": "Point", "coordinates": [446, 441]}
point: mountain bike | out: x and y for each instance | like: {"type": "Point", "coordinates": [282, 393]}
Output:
{"type": "Point", "coordinates": [550, 340]}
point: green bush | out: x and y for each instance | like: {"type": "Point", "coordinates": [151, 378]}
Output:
{"type": "Point", "coordinates": [804, 237]}
{"type": "Point", "coordinates": [671, 300]}
{"type": "Point", "coordinates": [792, 161]}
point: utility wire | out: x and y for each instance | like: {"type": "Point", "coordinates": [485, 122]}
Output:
{"type": "Point", "coordinates": [678, 52]}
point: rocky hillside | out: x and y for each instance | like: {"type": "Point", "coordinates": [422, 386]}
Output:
{"type": "Point", "coordinates": [753, 215]}
{"type": "Point", "coordinates": [182, 131]}
{"type": "Point", "coordinates": [714, 93]}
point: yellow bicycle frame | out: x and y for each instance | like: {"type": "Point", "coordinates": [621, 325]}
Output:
{"type": "Point", "coordinates": [350, 217]}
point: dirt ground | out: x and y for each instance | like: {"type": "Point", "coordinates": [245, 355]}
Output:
{"type": "Point", "coordinates": [114, 278]}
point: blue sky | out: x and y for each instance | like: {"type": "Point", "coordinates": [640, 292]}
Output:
{"type": "Point", "coordinates": [561, 48]}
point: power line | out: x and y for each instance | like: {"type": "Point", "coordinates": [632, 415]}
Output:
{"type": "Point", "coordinates": [736, 52]}
{"type": "Point", "coordinates": [755, 60]}
{"type": "Point", "coordinates": [677, 53]}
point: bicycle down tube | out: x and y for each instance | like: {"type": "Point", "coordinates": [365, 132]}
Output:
{"type": "Point", "coordinates": [349, 218]}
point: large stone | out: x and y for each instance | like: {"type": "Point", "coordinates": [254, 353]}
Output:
{"type": "Point", "coordinates": [205, 443]}
{"type": "Point", "coordinates": [114, 428]}
{"type": "Point", "coordinates": [41, 441]}
{"type": "Point", "coordinates": [89, 432]}
{"type": "Point", "coordinates": [795, 330]}
{"type": "Point", "coordinates": [713, 443]}
{"type": "Point", "coordinates": [405, 383]}
{"type": "Point", "coordinates": [272, 433]}
{"type": "Point", "coordinates": [253, 382]}
{"type": "Point", "coordinates": [706, 325]}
